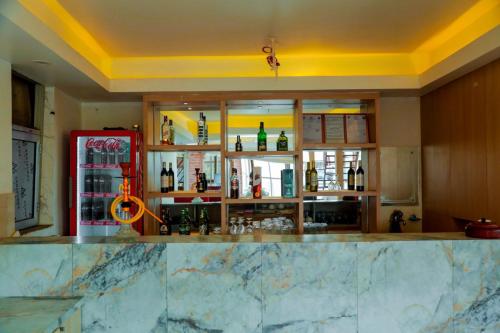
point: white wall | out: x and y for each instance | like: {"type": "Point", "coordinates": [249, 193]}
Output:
{"type": "Point", "coordinates": [62, 114]}
{"type": "Point", "coordinates": [400, 127]}
{"type": "Point", "coordinates": [95, 116]}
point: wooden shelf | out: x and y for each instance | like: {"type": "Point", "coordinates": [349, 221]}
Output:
{"type": "Point", "coordinates": [185, 194]}
{"type": "Point", "coordinates": [183, 148]}
{"type": "Point", "coordinates": [343, 193]}
{"type": "Point", "coordinates": [236, 154]}
{"type": "Point", "coordinates": [262, 201]}
{"type": "Point", "coordinates": [334, 146]}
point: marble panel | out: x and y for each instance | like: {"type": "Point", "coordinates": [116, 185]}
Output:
{"type": "Point", "coordinates": [405, 287]}
{"type": "Point", "coordinates": [476, 286]}
{"type": "Point", "coordinates": [309, 287]}
{"type": "Point", "coordinates": [214, 288]}
{"type": "Point", "coordinates": [124, 286]}
{"type": "Point", "coordinates": [35, 270]}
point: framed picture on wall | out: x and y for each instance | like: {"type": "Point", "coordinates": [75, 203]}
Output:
{"type": "Point", "coordinates": [335, 128]}
{"type": "Point", "coordinates": [356, 128]}
{"type": "Point", "coordinates": [313, 128]}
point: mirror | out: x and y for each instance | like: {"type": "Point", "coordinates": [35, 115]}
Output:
{"type": "Point", "coordinates": [399, 168]}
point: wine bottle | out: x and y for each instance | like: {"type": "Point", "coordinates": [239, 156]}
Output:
{"type": "Point", "coordinates": [261, 138]}
{"type": "Point", "coordinates": [360, 178]}
{"type": "Point", "coordinates": [201, 129]}
{"type": "Point", "coordinates": [235, 184]}
{"type": "Point", "coordinates": [171, 178]}
{"type": "Point", "coordinates": [204, 182]}
{"type": "Point", "coordinates": [350, 178]}
{"type": "Point", "coordinates": [203, 222]}
{"type": "Point", "coordinates": [205, 130]}
{"type": "Point", "coordinates": [199, 184]}
{"type": "Point", "coordinates": [308, 177]}
{"type": "Point", "coordinates": [165, 135]}
{"type": "Point", "coordinates": [287, 182]}
{"type": "Point", "coordinates": [282, 143]}
{"type": "Point", "coordinates": [164, 178]}
{"type": "Point", "coordinates": [257, 183]}
{"type": "Point", "coordinates": [238, 146]}
{"type": "Point", "coordinates": [185, 225]}
{"type": "Point", "coordinates": [166, 221]}
{"type": "Point", "coordinates": [314, 178]}
{"type": "Point", "coordinates": [171, 130]}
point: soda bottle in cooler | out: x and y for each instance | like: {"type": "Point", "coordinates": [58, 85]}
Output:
{"type": "Point", "coordinates": [111, 156]}
{"type": "Point", "coordinates": [88, 182]}
{"type": "Point", "coordinates": [102, 183]}
{"type": "Point", "coordinates": [104, 155]}
{"type": "Point", "coordinates": [96, 184]}
{"type": "Point", "coordinates": [89, 156]}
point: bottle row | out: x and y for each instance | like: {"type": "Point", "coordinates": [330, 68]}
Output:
{"type": "Point", "coordinates": [106, 156]}
{"type": "Point", "coordinates": [97, 183]}
{"type": "Point", "coordinates": [281, 143]}
{"type": "Point", "coordinates": [355, 179]}
{"type": "Point", "coordinates": [186, 223]}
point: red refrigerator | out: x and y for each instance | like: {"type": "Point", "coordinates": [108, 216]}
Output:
{"type": "Point", "coordinates": [95, 178]}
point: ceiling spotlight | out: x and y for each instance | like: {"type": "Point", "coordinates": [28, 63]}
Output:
{"type": "Point", "coordinates": [272, 61]}
{"type": "Point", "coordinates": [185, 103]}
{"type": "Point", "coordinates": [41, 62]}
{"type": "Point", "coordinates": [190, 108]}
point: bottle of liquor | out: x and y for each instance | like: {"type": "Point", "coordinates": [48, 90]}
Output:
{"type": "Point", "coordinates": [204, 182]}
{"type": "Point", "coordinates": [308, 177]}
{"type": "Point", "coordinates": [166, 221]}
{"type": "Point", "coordinates": [287, 182]}
{"type": "Point", "coordinates": [282, 143]}
{"type": "Point", "coordinates": [238, 145]}
{"type": "Point", "coordinates": [171, 179]}
{"type": "Point", "coordinates": [201, 129]}
{"type": "Point", "coordinates": [257, 183]}
{"type": "Point", "coordinates": [314, 178]}
{"type": "Point", "coordinates": [165, 135]}
{"type": "Point", "coordinates": [199, 183]}
{"type": "Point", "coordinates": [164, 178]}
{"type": "Point", "coordinates": [171, 130]}
{"type": "Point", "coordinates": [205, 130]}
{"type": "Point", "coordinates": [185, 225]}
{"type": "Point", "coordinates": [235, 184]}
{"type": "Point", "coordinates": [360, 178]}
{"type": "Point", "coordinates": [350, 178]}
{"type": "Point", "coordinates": [203, 222]}
{"type": "Point", "coordinates": [261, 138]}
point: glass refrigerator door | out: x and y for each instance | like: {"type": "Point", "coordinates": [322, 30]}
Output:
{"type": "Point", "coordinates": [98, 181]}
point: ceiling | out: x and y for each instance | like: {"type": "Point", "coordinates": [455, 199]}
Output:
{"type": "Point", "coordinates": [131, 28]}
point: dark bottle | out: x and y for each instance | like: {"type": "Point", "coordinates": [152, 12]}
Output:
{"type": "Point", "coordinates": [104, 155]}
{"type": "Point", "coordinates": [360, 178]}
{"type": "Point", "coordinates": [89, 182]}
{"type": "Point", "coordinates": [350, 178]}
{"type": "Point", "coordinates": [166, 221]}
{"type": "Point", "coordinates": [102, 183]}
{"type": "Point", "coordinates": [235, 184]}
{"type": "Point", "coordinates": [261, 138]}
{"type": "Point", "coordinates": [164, 178]}
{"type": "Point", "coordinates": [314, 178]}
{"type": "Point", "coordinates": [96, 188]}
{"type": "Point", "coordinates": [203, 222]}
{"type": "Point", "coordinates": [238, 146]}
{"type": "Point", "coordinates": [171, 178]}
{"type": "Point", "coordinates": [282, 143]}
{"type": "Point", "coordinates": [204, 183]}
{"type": "Point", "coordinates": [89, 158]}
{"type": "Point", "coordinates": [308, 177]}
{"type": "Point", "coordinates": [185, 225]}
{"type": "Point", "coordinates": [199, 184]}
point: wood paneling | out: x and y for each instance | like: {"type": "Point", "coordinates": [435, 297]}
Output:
{"type": "Point", "coordinates": [460, 148]}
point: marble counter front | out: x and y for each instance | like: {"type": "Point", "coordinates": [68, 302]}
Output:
{"type": "Point", "coordinates": [312, 283]}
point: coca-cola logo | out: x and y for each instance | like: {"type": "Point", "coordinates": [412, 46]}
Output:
{"type": "Point", "coordinates": [110, 144]}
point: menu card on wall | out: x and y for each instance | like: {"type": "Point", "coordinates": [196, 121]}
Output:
{"type": "Point", "coordinates": [334, 128]}
{"type": "Point", "coordinates": [357, 129]}
{"type": "Point", "coordinates": [312, 129]}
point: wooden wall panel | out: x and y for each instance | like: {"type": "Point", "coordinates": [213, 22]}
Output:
{"type": "Point", "coordinates": [460, 150]}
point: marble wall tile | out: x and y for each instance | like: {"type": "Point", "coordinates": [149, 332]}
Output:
{"type": "Point", "coordinates": [476, 286]}
{"type": "Point", "coordinates": [405, 287]}
{"type": "Point", "coordinates": [214, 288]}
{"type": "Point", "coordinates": [35, 270]}
{"type": "Point", "coordinates": [309, 287]}
{"type": "Point", "coordinates": [124, 286]}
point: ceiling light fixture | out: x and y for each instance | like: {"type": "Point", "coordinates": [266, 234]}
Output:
{"type": "Point", "coordinates": [41, 62]}
{"type": "Point", "coordinates": [272, 61]}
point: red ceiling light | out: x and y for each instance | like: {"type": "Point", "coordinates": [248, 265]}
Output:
{"type": "Point", "coordinates": [272, 61]}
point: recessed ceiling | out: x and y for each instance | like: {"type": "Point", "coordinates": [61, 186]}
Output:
{"type": "Point", "coordinates": [131, 28]}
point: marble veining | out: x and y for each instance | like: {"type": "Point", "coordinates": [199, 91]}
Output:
{"type": "Point", "coordinates": [405, 287]}
{"type": "Point", "coordinates": [120, 282]}
{"type": "Point", "coordinates": [476, 285]}
{"type": "Point", "coordinates": [214, 288]}
{"type": "Point", "coordinates": [309, 287]}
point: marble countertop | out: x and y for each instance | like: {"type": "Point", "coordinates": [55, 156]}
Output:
{"type": "Point", "coordinates": [312, 238]}
{"type": "Point", "coordinates": [35, 314]}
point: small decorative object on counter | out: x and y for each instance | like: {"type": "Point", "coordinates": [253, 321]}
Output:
{"type": "Point", "coordinates": [282, 143]}
{"type": "Point", "coordinates": [180, 186]}
{"type": "Point", "coordinates": [395, 221]}
{"type": "Point", "coordinates": [314, 178]}
{"type": "Point", "coordinates": [235, 184]}
{"type": "Point", "coordinates": [238, 146]}
{"type": "Point", "coordinates": [482, 228]}
{"type": "Point", "coordinates": [262, 138]}
{"type": "Point", "coordinates": [204, 222]}
{"type": "Point", "coordinates": [171, 131]}
{"type": "Point", "coordinates": [165, 133]}
{"type": "Point", "coordinates": [171, 178]}
{"type": "Point", "coordinates": [257, 183]}
{"type": "Point", "coordinates": [185, 225]}
{"type": "Point", "coordinates": [164, 178]}
{"type": "Point", "coordinates": [166, 224]}
{"type": "Point", "coordinates": [360, 178]}
{"type": "Point", "coordinates": [287, 182]}
{"type": "Point", "coordinates": [308, 176]}
{"type": "Point", "coordinates": [350, 178]}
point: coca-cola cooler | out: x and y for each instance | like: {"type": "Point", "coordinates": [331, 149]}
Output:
{"type": "Point", "coordinates": [96, 177]}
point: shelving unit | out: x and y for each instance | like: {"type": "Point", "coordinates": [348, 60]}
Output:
{"type": "Point", "coordinates": [369, 200]}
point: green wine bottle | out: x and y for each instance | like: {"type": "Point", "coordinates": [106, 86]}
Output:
{"type": "Point", "coordinates": [282, 143]}
{"type": "Point", "coordinates": [185, 225]}
{"type": "Point", "coordinates": [262, 138]}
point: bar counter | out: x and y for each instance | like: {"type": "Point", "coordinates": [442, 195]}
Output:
{"type": "Point", "coordinates": [434, 282]}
